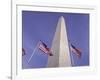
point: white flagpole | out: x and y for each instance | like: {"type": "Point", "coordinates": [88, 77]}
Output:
{"type": "Point", "coordinates": [33, 52]}
{"type": "Point", "coordinates": [72, 60]}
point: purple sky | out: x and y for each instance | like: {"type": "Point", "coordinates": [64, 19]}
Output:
{"type": "Point", "coordinates": [42, 25]}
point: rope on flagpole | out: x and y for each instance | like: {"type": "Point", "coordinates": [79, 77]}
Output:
{"type": "Point", "coordinates": [33, 52]}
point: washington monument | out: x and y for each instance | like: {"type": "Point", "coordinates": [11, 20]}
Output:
{"type": "Point", "coordinates": [60, 47]}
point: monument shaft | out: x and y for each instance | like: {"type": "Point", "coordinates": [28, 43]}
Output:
{"type": "Point", "coordinates": [60, 47]}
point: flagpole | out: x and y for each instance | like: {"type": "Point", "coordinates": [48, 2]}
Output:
{"type": "Point", "coordinates": [72, 60]}
{"type": "Point", "coordinates": [33, 52]}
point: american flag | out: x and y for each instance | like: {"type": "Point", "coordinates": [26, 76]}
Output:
{"type": "Point", "coordinates": [23, 52]}
{"type": "Point", "coordinates": [43, 47]}
{"type": "Point", "coordinates": [75, 50]}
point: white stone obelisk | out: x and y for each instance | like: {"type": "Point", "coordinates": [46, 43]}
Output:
{"type": "Point", "coordinates": [60, 48]}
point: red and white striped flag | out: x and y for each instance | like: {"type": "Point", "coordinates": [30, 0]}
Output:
{"type": "Point", "coordinates": [43, 47]}
{"type": "Point", "coordinates": [23, 52]}
{"type": "Point", "coordinates": [75, 50]}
